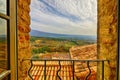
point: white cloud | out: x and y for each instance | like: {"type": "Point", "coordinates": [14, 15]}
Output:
{"type": "Point", "coordinates": [3, 6]}
{"type": "Point", "coordinates": [3, 24]}
{"type": "Point", "coordinates": [65, 16]}
{"type": "Point", "coordinates": [3, 27]}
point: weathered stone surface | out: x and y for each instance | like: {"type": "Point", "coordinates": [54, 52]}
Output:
{"type": "Point", "coordinates": [107, 19]}
{"type": "Point", "coordinates": [24, 50]}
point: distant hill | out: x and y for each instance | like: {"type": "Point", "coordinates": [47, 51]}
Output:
{"type": "Point", "coordinates": [3, 36]}
{"type": "Point", "coordinates": [64, 36]}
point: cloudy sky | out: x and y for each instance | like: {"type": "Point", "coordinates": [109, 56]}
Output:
{"type": "Point", "coordinates": [78, 17]}
{"type": "Point", "coordinates": [61, 16]}
{"type": "Point", "coordinates": [3, 24]}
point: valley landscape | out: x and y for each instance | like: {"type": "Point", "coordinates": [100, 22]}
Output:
{"type": "Point", "coordinates": [58, 46]}
{"type": "Point", "coordinates": [64, 30]}
{"type": "Point", "coordinates": [51, 44]}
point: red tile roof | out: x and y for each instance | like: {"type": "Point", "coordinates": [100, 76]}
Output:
{"type": "Point", "coordinates": [65, 73]}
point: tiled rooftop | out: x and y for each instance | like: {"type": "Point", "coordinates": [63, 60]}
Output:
{"type": "Point", "coordinates": [37, 71]}
{"type": "Point", "coordinates": [66, 73]}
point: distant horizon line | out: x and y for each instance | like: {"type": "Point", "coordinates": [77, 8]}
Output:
{"type": "Point", "coordinates": [63, 33]}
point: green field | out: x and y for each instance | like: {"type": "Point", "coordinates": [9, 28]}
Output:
{"type": "Point", "coordinates": [43, 45]}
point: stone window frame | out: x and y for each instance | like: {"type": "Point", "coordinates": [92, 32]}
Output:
{"type": "Point", "coordinates": [13, 40]}
{"type": "Point", "coordinates": [118, 42]}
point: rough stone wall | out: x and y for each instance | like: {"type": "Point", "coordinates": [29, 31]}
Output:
{"type": "Point", "coordinates": [107, 22]}
{"type": "Point", "coordinates": [107, 36]}
{"type": "Point", "coordinates": [23, 38]}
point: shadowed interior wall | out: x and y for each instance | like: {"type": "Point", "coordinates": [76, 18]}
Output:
{"type": "Point", "coordinates": [107, 19]}
{"type": "Point", "coordinates": [23, 38]}
{"type": "Point", "coordinates": [107, 22]}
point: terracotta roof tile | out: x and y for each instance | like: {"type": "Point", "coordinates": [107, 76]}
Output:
{"type": "Point", "coordinates": [37, 72]}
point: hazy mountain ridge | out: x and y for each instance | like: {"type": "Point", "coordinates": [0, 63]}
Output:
{"type": "Point", "coordinates": [3, 35]}
{"type": "Point", "coordinates": [65, 36]}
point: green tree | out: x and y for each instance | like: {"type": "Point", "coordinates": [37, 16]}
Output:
{"type": "Point", "coordinates": [45, 48]}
